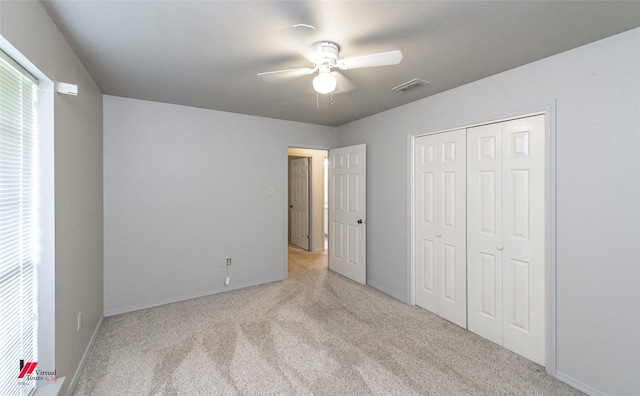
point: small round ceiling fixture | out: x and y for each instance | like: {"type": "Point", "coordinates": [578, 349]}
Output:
{"type": "Point", "coordinates": [324, 82]}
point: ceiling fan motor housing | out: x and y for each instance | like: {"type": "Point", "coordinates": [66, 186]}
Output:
{"type": "Point", "coordinates": [327, 54]}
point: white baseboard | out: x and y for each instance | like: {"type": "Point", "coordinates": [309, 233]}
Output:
{"type": "Point", "coordinates": [85, 356]}
{"type": "Point", "coordinates": [387, 291]}
{"type": "Point", "coordinates": [589, 390]}
{"type": "Point", "coordinates": [185, 297]}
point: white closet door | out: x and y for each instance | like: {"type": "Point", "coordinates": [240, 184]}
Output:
{"type": "Point", "coordinates": [523, 164]}
{"type": "Point", "coordinates": [440, 237]}
{"type": "Point", "coordinates": [425, 223]}
{"type": "Point", "coordinates": [506, 225]}
{"type": "Point", "coordinates": [484, 230]}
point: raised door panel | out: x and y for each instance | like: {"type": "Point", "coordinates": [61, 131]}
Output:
{"type": "Point", "coordinates": [353, 257]}
{"type": "Point", "coordinates": [489, 268]}
{"type": "Point", "coordinates": [337, 207]}
{"type": "Point", "coordinates": [337, 232]}
{"type": "Point", "coordinates": [448, 279]}
{"type": "Point", "coordinates": [427, 270]}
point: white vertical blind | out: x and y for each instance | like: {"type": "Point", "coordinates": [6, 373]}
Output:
{"type": "Point", "coordinates": [18, 280]}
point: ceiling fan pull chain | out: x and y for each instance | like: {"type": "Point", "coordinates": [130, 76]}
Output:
{"type": "Point", "coordinates": [331, 99]}
{"type": "Point", "coordinates": [317, 100]}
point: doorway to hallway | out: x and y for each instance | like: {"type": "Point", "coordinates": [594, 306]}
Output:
{"type": "Point", "coordinates": [307, 205]}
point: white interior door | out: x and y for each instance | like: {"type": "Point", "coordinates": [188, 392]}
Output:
{"type": "Point", "coordinates": [299, 205]}
{"type": "Point", "coordinates": [484, 231]}
{"type": "Point", "coordinates": [506, 234]}
{"type": "Point", "coordinates": [347, 212]}
{"type": "Point", "coordinates": [523, 169]}
{"type": "Point", "coordinates": [440, 225]}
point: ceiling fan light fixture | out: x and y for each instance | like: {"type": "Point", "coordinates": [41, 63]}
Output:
{"type": "Point", "coordinates": [325, 82]}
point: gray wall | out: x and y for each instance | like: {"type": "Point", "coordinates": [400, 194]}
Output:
{"type": "Point", "coordinates": [78, 180]}
{"type": "Point", "coordinates": [186, 188]}
{"type": "Point", "coordinates": [597, 89]}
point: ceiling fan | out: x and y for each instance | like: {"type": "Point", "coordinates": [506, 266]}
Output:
{"type": "Point", "coordinates": [325, 58]}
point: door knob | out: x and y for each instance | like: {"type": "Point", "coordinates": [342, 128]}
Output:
{"type": "Point", "coordinates": [438, 234]}
{"type": "Point", "coordinates": [499, 247]}
{"type": "Point", "coordinates": [360, 221]}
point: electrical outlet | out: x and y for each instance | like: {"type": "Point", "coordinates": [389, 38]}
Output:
{"type": "Point", "coordinates": [79, 320]}
{"type": "Point", "coordinates": [227, 280]}
{"type": "Point", "coordinates": [228, 262]}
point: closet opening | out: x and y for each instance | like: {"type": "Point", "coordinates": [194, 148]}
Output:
{"type": "Point", "coordinates": [482, 227]}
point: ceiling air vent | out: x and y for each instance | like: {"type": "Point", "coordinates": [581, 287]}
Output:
{"type": "Point", "coordinates": [411, 85]}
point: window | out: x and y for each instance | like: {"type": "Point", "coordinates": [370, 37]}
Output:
{"type": "Point", "coordinates": [19, 232]}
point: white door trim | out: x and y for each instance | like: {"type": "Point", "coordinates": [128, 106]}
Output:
{"type": "Point", "coordinates": [549, 109]}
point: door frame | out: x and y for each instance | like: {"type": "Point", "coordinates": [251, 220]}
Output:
{"type": "Point", "coordinates": [285, 178]}
{"type": "Point", "coordinates": [549, 110]}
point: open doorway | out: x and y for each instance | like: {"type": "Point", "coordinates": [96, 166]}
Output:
{"type": "Point", "coordinates": [307, 206]}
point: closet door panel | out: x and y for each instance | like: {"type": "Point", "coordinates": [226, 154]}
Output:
{"type": "Point", "coordinates": [440, 224]}
{"type": "Point", "coordinates": [451, 230]}
{"type": "Point", "coordinates": [506, 234]}
{"type": "Point", "coordinates": [425, 169]}
{"type": "Point", "coordinates": [484, 231]}
{"type": "Point", "coordinates": [524, 237]}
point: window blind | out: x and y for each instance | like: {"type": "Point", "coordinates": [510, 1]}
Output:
{"type": "Point", "coordinates": [18, 278]}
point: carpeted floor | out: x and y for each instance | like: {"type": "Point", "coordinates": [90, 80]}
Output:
{"type": "Point", "coordinates": [314, 333]}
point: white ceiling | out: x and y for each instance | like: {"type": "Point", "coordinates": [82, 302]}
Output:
{"type": "Point", "coordinates": [207, 53]}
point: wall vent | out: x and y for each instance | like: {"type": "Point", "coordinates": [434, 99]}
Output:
{"type": "Point", "coordinates": [411, 85]}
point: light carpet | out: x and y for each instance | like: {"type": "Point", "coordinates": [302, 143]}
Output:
{"type": "Point", "coordinates": [314, 333]}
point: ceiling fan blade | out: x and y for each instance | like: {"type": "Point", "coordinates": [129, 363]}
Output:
{"type": "Point", "coordinates": [371, 60]}
{"type": "Point", "coordinates": [298, 39]}
{"type": "Point", "coordinates": [280, 75]}
{"type": "Point", "coordinates": [344, 84]}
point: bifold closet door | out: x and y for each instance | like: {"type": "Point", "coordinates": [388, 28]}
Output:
{"type": "Point", "coordinates": [506, 234]}
{"type": "Point", "coordinates": [440, 225]}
